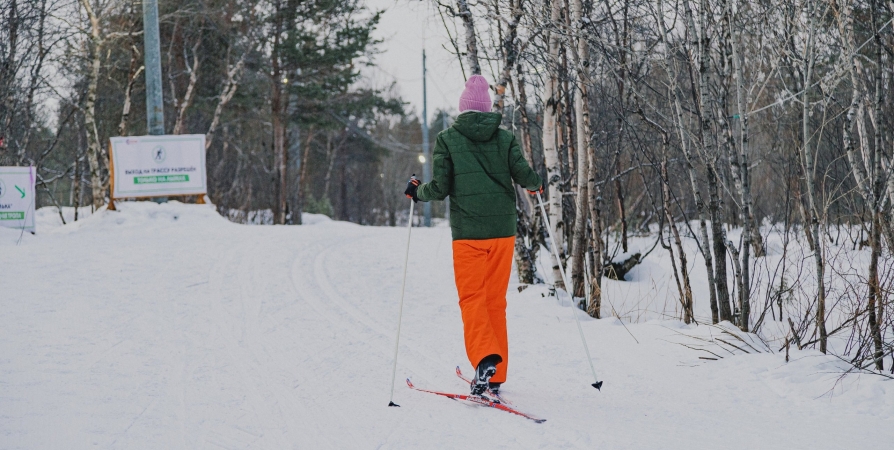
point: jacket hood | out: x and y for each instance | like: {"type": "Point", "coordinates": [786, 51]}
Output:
{"type": "Point", "coordinates": [478, 126]}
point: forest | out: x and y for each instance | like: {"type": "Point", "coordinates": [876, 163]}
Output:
{"type": "Point", "coordinates": [729, 124]}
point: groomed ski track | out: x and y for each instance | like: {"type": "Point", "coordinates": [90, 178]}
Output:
{"type": "Point", "coordinates": [165, 326]}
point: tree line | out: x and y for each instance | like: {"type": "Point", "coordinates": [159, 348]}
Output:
{"type": "Point", "coordinates": [277, 87]}
{"type": "Point", "coordinates": [694, 117]}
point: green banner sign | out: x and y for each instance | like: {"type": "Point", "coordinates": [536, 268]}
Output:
{"type": "Point", "coordinates": [12, 215]}
{"type": "Point", "coordinates": [161, 179]}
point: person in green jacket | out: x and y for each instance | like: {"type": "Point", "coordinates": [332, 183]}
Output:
{"type": "Point", "coordinates": [477, 164]}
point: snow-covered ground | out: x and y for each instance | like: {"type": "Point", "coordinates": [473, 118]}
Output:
{"type": "Point", "coordinates": [166, 326]}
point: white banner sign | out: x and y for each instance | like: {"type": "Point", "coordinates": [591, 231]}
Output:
{"type": "Point", "coordinates": [157, 166]}
{"type": "Point", "coordinates": [17, 197]}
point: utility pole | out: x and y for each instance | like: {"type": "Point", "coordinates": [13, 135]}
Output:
{"type": "Point", "coordinates": [426, 150]}
{"type": "Point", "coordinates": [155, 108]}
{"type": "Point", "coordinates": [155, 113]}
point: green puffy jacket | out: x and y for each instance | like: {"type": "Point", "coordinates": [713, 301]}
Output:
{"type": "Point", "coordinates": [475, 163]}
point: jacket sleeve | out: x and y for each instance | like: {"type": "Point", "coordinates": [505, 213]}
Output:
{"type": "Point", "coordinates": [442, 175]}
{"type": "Point", "coordinates": [520, 170]}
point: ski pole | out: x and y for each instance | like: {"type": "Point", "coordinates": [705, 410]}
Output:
{"type": "Point", "coordinates": [400, 313]}
{"type": "Point", "coordinates": [583, 340]}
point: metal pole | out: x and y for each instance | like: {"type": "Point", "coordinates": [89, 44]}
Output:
{"type": "Point", "coordinates": [552, 241]}
{"type": "Point", "coordinates": [155, 108]}
{"type": "Point", "coordinates": [400, 311]}
{"type": "Point", "coordinates": [426, 149]}
{"type": "Point", "coordinates": [155, 114]}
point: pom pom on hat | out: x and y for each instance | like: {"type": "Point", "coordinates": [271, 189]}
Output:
{"type": "Point", "coordinates": [476, 95]}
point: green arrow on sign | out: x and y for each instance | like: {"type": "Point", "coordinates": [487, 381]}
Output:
{"type": "Point", "coordinates": [21, 191]}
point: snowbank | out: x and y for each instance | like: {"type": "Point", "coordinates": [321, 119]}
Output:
{"type": "Point", "coordinates": [168, 326]}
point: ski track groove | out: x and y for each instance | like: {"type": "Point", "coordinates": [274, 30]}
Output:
{"type": "Point", "coordinates": [387, 336]}
{"type": "Point", "coordinates": [320, 408]}
{"type": "Point", "coordinates": [320, 310]}
{"type": "Point", "coordinates": [225, 337]}
{"type": "Point", "coordinates": [336, 317]}
{"type": "Point", "coordinates": [251, 370]}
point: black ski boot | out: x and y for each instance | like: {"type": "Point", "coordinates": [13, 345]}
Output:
{"type": "Point", "coordinates": [494, 388]}
{"type": "Point", "coordinates": [486, 369]}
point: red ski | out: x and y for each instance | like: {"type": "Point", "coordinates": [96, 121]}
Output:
{"type": "Point", "coordinates": [479, 400]}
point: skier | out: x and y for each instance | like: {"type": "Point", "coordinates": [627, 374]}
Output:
{"type": "Point", "coordinates": [475, 162]}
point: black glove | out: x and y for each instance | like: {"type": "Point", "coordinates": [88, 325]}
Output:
{"type": "Point", "coordinates": [535, 192]}
{"type": "Point", "coordinates": [412, 186]}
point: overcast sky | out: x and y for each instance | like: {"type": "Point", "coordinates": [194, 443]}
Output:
{"type": "Point", "coordinates": [406, 27]}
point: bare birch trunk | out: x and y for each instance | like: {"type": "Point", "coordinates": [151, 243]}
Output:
{"type": "Point", "coordinates": [858, 168]}
{"type": "Point", "coordinates": [525, 255]}
{"type": "Point", "coordinates": [581, 55]}
{"type": "Point", "coordinates": [125, 111]}
{"type": "Point", "coordinates": [686, 297]}
{"type": "Point", "coordinates": [737, 274]}
{"type": "Point", "coordinates": [526, 242]}
{"type": "Point", "coordinates": [750, 231]}
{"type": "Point", "coordinates": [594, 309]}
{"type": "Point", "coordinates": [550, 149]}
{"type": "Point", "coordinates": [582, 127]}
{"type": "Point", "coordinates": [567, 125]}
{"type": "Point", "coordinates": [527, 145]}
{"type": "Point", "coordinates": [715, 174]}
{"type": "Point", "coordinates": [132, 75]}
{"type": "Point", "coordinates": [190, 89]}
{"type": "Point", "coordinates": [708, 153]}
{"type": "Point", "coordinates": [705, 245]}
{"type": "Point", "coordinates": [226, 94]}
{"type": "Point", "coordinates": [807, 162]}
{"type": "Point", "coordinates": [862, 168]}
{"type": "Point", "coordinates": [510, 54]}
{"type": "Point", "coordinates": [471, 42]}
{"type": "Point", "coordinates": [874, 305]}
{"type": "Point", "coordinates": [718, 237]}
{"type": "Point", "coordinates": [878, 191]}
{"type": "Point", "coordinates": [93, 144]}
{"type": "Point", "coordinates": [525, 248]}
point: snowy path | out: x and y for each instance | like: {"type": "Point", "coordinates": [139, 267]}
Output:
{"type": "Point", "coordinates": [164, 326]}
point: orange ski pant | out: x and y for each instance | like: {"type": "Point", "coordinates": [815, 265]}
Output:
{"type": "Point", "coordinates": [482, 269]}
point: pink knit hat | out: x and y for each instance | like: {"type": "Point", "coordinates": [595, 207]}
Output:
{"type": "Point", "coordinates": [476, 96]}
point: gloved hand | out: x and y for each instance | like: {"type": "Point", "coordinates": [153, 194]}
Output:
{"type": "Point", "coordinates": [535, 192]}
{"type": "Point", "coordinates": [412, 186]}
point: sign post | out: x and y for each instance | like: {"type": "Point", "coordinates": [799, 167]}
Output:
{"type": "Point", "coordinates": [17, 199]}
{"type": "Point", "coordinates": [157, 166]}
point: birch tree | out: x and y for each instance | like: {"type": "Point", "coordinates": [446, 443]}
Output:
{"type": "Point", "coordinates": [581, 59]}
{"type": "Point", "coordinates": [552, 162]}
{"type": "Point", "coordinates": [94, 146]}
{"type": "Point", "coordinates": [808, 167]}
